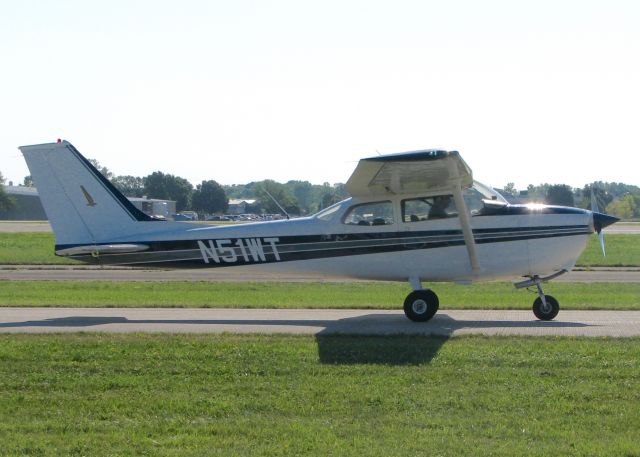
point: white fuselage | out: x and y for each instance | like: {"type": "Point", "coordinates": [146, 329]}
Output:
{"type": "Point", "coordinates": [532, 241]}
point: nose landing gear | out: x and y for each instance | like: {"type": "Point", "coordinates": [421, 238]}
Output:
{"type": "Point", "coordinates": [545, 307]}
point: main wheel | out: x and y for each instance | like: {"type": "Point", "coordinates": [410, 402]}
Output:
{"type": "Point", "coordinates": [546, 313]}
{"type": "Point", "coordinates": [421, 305]}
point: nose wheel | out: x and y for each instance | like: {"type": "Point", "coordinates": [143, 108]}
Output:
{"type": "Point", "coordinates": [421, 305]}
{"type": "Point", "coordinates": [545, 307]}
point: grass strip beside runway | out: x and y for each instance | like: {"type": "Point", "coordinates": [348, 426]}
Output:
{"type": "Point", "coordinates": [621, 251]}
{"type": "Point", "coordinates": [193, 395]}
{"type": "Point", "coordinates": [359, 295]}
{"type": "Point", "coordinates": [37, 249]}
{"type": "Point", "coordinates": [30, 248]}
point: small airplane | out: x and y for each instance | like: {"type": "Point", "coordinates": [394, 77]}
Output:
{"type": "Point", "coordinates": [413, 216]}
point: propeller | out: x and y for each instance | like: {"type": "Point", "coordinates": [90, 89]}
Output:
{"type": "Point", "coordinates": [600, 220]}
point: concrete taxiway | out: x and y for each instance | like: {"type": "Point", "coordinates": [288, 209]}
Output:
{"type": "Point", "coordinates": [318, 322]}
{"type": "Point", "coordinates": [25, 226]}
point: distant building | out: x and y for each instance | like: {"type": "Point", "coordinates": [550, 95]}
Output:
{"type": "Point", "coordinates": [523, 197]}
{"type": "Point", "coordinates": [239, 206]}
{"type": "Point", "coordinates": [153, 206]}
{"type": "Point", "coordinates": [28, 207]}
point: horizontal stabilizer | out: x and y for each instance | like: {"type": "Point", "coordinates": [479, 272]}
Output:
{"type": "Point", "coordinates": [102, 249]}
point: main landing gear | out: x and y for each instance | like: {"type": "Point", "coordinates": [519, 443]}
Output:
{"type": "Point", "coordinates": [545, 307]}
{"type": "Point", "coordinates": [421, 304]}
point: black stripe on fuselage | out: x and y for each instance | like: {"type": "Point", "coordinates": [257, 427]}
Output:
{"type": "Point", "coordinates": [236, 251]}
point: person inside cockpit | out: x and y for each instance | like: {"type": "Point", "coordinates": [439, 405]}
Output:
{"type": "Point", "coordinates": [438, 209]}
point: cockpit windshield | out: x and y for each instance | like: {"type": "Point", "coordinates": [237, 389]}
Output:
{"type": "Point", "coordinates": [479, 196]}
{"type": "Point", "coordinates": [327, 214]}
{"type": "Point", "coordinates": [488, 192]}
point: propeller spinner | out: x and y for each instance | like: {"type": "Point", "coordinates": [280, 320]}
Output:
{"type": "Point", "coordinates": [600, 221]}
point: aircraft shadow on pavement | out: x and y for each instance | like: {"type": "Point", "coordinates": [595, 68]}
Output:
{"type": "Point", "coordinates": [393, 340]}
{"type": "Point", "coordinates": [372, 338]}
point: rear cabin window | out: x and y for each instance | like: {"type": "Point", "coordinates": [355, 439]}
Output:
{"type": "Point", "coordinates": [428, 208]}
{"type": "Point", "coordinates": [378, 213]}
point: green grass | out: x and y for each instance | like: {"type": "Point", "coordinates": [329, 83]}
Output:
{"type": "Point", "coordinates": [306, 295]}
{"type": "Point", "coordinates": [622, 250]}
{"type": "Point", "coordinates": [195, 395]}
{"type": "Point", "coordinates": [37, 248]}
{"type": "Point", "coordinates": [30, 248]}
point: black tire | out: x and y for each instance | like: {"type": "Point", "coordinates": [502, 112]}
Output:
{"type": "Point", "coordinates": [421, 305]}
{"type": "Point", "coordinates": [546, 314]}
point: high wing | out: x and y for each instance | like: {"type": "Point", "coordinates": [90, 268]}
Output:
{"type": "Point", "coordinates": [428, 170]}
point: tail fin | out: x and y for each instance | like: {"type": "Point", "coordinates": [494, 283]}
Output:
{"type": "Point", "coordinates": [83, 207]}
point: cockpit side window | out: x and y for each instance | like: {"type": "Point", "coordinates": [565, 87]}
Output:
{"type": "Point", "coordinates": [377, 213]}
{"type": "Point", "coordinates": [428, 208]}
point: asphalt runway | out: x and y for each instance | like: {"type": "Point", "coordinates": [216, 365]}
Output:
{"type": "Point", "coordinates": [91, 273]}
{"type": "Point", "coordinates": [315, 322]}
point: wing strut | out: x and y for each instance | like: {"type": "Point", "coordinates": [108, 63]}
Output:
{"type": "Point", "coordinates": [463, 215]}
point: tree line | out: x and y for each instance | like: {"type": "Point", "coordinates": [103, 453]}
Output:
{"type": "Point", "coordinates": [618, 199]}
{"type": "Point", "coordinates": [302, 197]}
{"type": "Point", "coordinates": [6, 201]}
{"type": "Point", "coordinates": [209, 197]}
{"type": "Point", "coordinates": [206, 197]}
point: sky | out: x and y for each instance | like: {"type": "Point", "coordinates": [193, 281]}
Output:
{"type": "Point", "coordinates": [529, 92]}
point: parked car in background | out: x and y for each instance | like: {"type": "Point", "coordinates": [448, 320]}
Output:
{"type": "Point", "coordinates": [217, 217]}
{"type": "Point", "coordinates": [185, 216]}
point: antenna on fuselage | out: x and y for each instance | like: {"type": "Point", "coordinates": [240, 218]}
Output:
{"type": "Point", "coordinates": [277, 204]}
